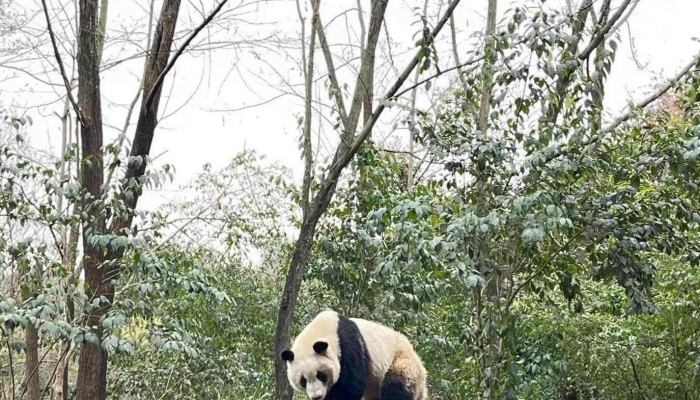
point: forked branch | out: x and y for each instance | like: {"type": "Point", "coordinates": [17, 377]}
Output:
{"type": "Point", "coordinates": [600, 36]}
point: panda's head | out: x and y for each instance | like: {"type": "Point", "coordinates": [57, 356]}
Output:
{"type": "Point", "coordinates": [313, 370]}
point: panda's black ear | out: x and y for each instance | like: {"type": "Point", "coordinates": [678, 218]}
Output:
{"type": "Point", "coordinates": [320, 347]}
{"type": "Point", "coordinates": [287, 355]}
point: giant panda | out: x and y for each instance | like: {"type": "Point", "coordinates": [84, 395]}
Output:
{"type": "Point", "coordinates": [340, 358]}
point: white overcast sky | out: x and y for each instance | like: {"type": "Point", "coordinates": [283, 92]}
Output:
{"type": "Point", "coordinates": [230, 79]}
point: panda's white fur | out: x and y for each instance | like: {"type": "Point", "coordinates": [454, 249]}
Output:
{"type": "Point", "coordinates": [362, 360]}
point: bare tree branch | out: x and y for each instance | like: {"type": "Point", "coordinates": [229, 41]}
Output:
{"type": "Point", "coordinates": [624, 18]}
{"type": "Point", "coordinates": [693, 65]}
{"type": "Point", "coordinates": [438, 74]}
{"type": "Point", "coordinates": [604, 31]}
{"type": "Point", "coordinates": [365, 82]}
{"type": "Point", "coordinates": [455, 51]}
{"type": "Point", "coordinates": [307, 150]}
{"type": "Point", "coordinates": [363, 29]}
{"type": "Point", "coordinates": [57, 54]}
{"type": "Point", "coordinates": [335, 87]}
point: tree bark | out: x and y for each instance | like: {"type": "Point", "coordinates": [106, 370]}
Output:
{"type": "Point", "coordinates": [32, 363]}
{"type": "Point", "coordinates": [148, 115]}
{"type": "Point", "coordinates": [92, 369]}
{"type": "Point", "coordinates": [288, 302]}
{"type": "Point", "coordinates": [59, 388]}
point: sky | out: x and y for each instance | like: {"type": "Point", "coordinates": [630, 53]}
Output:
{"type": "Point", "coordinates": [198, 124]}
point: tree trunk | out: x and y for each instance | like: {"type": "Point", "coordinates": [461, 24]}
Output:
{"type": "Point", "coordinates": [487, 75]}
{"type": "Point", "coordinates": [32, 363]}
{"type": "Point", "coordinates": [345, 152]}
{"type": "Point", "coordinates": [363, 89]}
{"type": "Point", "coordinates": [59, 389]}
{"type": "Point", "coordinates": [483, 189]}
{"type": "Point", "coordinates": [92, 369]}
{"type": "Point", "coordinates": [295, 275]}
{"type": "Point", "coordinates": [148, 116]}
{"type": "Point", "coordinates": [33, 276]}
{"type": "Point", "coordinates": [99, 276]}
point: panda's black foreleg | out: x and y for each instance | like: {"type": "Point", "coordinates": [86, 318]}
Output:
{"type": "Point", "coordinates": [395, 387]}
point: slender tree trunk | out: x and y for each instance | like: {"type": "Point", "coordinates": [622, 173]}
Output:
{"type": "Point", "coordinates": [488, 344]}
{"type": "Point", "coordinates": [487, 75]}
{"type": "Point", "coordinates": [363, 89]}
{"type": "Point", "coordinates": [306, 135]}
{"type": "Point", "coordinates": [346, 150]}
{"type": "Point", "coordinates": [32, 363]}
{"type": "Point", "coordinates": [598, 93]}
{"type": "Point", "coordinates": [300, 256]}
{"type": "Point", "coordinates": [410, 173]}
{"type": "Point", "coordinates": [92, 369]}
{"type": "Point", "coordinates": [482, 189]}
{"type": "Point", "coordinates": [102, 31]}
{"type": "Point", "coordinates": [59, 389]}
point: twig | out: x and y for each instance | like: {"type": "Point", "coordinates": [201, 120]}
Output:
{"type": "Point", "coordinates": [624, 19]}
{"type": "Point", "coordinates": [442, 72]}
{"type": "Point", "coordinates": [363, 30]}
{"type": "Point", "coordinates": [12, 370]}
{"type": "Point", "coordinates": [655, 96]}
{"type": "Point", "coordinates": [636, 378]}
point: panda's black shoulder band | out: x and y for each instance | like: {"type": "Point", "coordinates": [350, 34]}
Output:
{"type": "Point", "coordinates": [354, 362]}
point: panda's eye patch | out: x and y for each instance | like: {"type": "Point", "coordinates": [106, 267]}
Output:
{"type": "Point", "coordinates": [303, 382]}
{"type": "Point", "coordinates": [321, 376]}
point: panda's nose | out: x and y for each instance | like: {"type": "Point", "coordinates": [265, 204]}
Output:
{"type": "Point", "coordinates": [317, 398]}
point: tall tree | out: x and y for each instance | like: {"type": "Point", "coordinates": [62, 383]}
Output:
{"type": "Point", "coordinates": [350, 142]}
{"type": "Point", "coordinates": [101, 264]}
